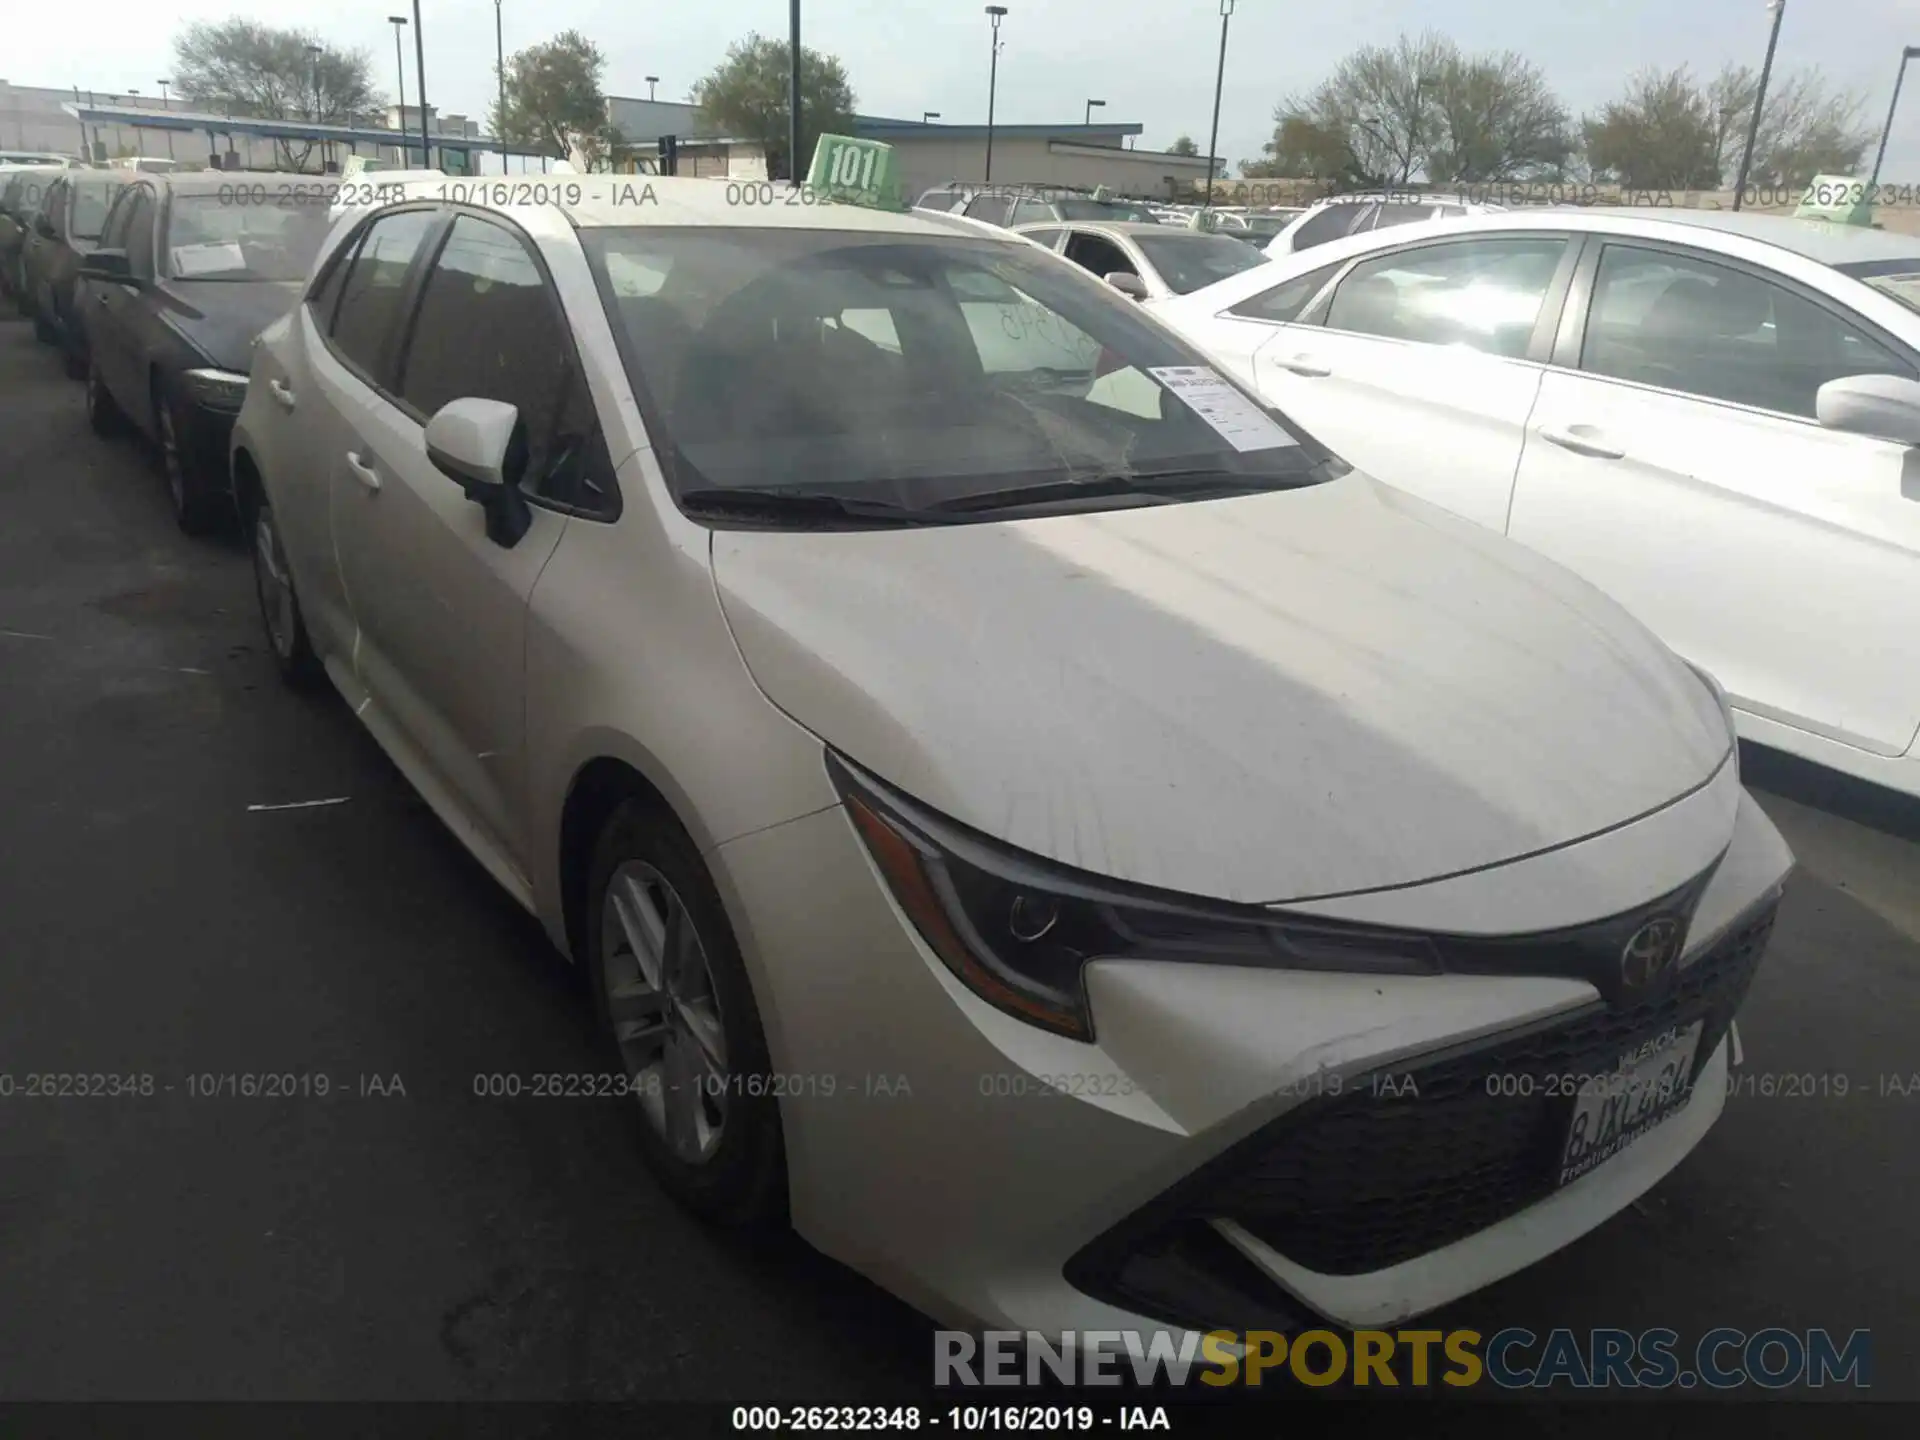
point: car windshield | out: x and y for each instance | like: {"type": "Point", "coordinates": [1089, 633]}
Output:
{"type": "Point", "coordinates": [1072, 209]}
{"type": "Point", "coordinates": [89, 204]}
{"type": "Point", "coordinates": [914, 371]}
{"type": "Point", "coordinates": [209, 237]}
{"type": "Point", "coordinates": [1187, 262]}
{"type": "Point", "coordinates": [1898, 278]}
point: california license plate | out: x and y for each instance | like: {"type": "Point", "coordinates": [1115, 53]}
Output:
{"type": "Point", "coordinates": [1613, 1110]}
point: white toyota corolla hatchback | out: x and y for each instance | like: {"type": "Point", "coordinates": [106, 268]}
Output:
{"type": "Point", "coordinates": [1091, 863]}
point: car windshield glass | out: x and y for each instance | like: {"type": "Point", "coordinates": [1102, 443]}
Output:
{"type": "Point", "coordinates": [1187, 262]}
{"type": "Point", "coordinates": [1898, 278]}
{"type": "Point", "coordinates": [914, 371]}
{"type": "Point", "coordinates": [90, 204]}
{"type": "Point", "coordinates": [209, 237]}
{"type": "Point", "coordinates": [1071, 209]}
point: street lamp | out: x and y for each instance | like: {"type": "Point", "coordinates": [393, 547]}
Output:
{"type": "Point", "coordinates": [313, 52]}
{"type": "Point", "coordinates": [420, 77]}
{"type": "Point", "coordinates": [1779, 9]}
{"type": "Point", "coordinates": [1420, 83]}
{"type": "Point", "coordinates": [793, 94]}
{"type": "Point", "coordinates": [500, 69]}
{"type": "Point", "coordinates": [400, 75]}
{"type": "Point", "coordinates": [1219, 83]}
{"type": "Point", "coordinates": [652, 80]}
{"type": "Point", "coordinates": [1092, 105]}
{"type": "Point", "coordinates": [165, 104]}
{"type": "Point", "coordinates": [928, 115]}
{"type": "Point", "coordinates": [1905, 55]}
{"type": "Point", "coordinates": [995, 13]}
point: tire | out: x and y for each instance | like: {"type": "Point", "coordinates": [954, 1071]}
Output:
{"type": "Point", "coordinates": [286, 628]}
{"type": "Point", "coordinates": [75, 359]}
{"type": "Point", "coordinates": [197, 508]}
{"type": "Point", "coordinates": [104, 416]}
{"type": "Point", "coordinates": [740, 1181]}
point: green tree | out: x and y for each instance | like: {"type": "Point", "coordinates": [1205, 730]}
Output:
{"type": "Point", "coordinates": [1183, 146]}
{"type": "Point", "coordinates": [746, 98]}
{"type": "Point", "coordinates": [1662, 134]}
{"type": "Point", "coordinates": [554, 100]}
{"type": "Point", "coordinates": [1422, 105]}
{"type": "Point", "coordinates": [245, 68]}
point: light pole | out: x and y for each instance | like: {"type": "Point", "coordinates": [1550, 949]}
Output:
{"type": "Point", "coordinates": [1219, 83]}
{"type": "Point", "coordinates": [1413, 130]}
{"type": "Point", "coordinates": [400, 76]}
{"type": "Point", "coordinates": [996, 13]}
{"type": "Point", "coordinates": [500, 70]}
{"type": "Point", "coordinates": [1905, 55]}
{"type": "Point", "coordinates": [927, 116]}
{"type": "Point", "coordinates": [1779, 9]}
{"type": "Point", "coordinates": [652, 80]}
{"type": "Point", "coordinates": [165, 104]}
{"type": "Point", "coordinates": [793, 93]}
{"type": "Point", "coordinates": [420, 78]}
{"type": "Point", "coordinates": [313, 57]}
{"type": "Point", "coordinates": [1092, 105]}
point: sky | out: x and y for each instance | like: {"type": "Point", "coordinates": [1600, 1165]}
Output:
{"type": "Point", "coordinates": [1152, 61]}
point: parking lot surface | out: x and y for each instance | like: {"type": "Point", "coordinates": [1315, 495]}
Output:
{"type": "Point", "coordinates": [402, 1237]}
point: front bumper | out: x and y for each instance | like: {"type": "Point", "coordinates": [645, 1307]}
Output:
{"type": "Point", "coordinates": [1189, 1169]}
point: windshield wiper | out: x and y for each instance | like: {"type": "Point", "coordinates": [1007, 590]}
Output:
{"type": "Point", "coordinates": [774, 503]}
{"type": "Point", "coordinates": [1159, 482]}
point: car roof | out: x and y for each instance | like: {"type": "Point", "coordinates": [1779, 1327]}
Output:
{"type": "Point", "coordinates": [647, 200]}
{"type": "Point", "coordinates": [195, 182]}
{"type": "Point", "coordinates": [1127, 228]}
{"type": "Point", "coordinates": [1824, 241]}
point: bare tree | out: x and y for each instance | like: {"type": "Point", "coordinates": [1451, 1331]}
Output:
{"type": "Point", "coordinates": [255, 70]}
{"type": "Point", "coordinates": [1806, 129]}
{"type": "Point", "coordinates": [1422, 105]}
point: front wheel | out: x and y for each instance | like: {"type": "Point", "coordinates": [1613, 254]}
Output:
{"type": "Point", "coordinates": [197, 509]}
{"type": "Point", "coordinates": [678, 1011]}
{"type": "Point", "coordinates": [279, 605]}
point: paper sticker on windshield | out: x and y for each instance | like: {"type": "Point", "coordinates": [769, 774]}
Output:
{"type": "Point", "coordinates": [207, 259]}
{"type": "Point", "coordinates": [1241, 423]}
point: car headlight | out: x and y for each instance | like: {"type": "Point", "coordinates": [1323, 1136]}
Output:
{"type": "Point", "coordinates": [216, 389]}
{"type": "Point", "coordinates": [1019, 931]}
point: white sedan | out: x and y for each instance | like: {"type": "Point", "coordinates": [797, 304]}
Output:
{"type": "Point", "coordinates": [1082, 863]}
{"type": "Point", "coordinates": [1712, 416]}
{"type": "Point", "coordinates": [1152, 263]}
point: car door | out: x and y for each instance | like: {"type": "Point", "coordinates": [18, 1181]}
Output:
{"type": "Point", "coordinates": [1676, 462]}
{"type": "Point", "coordinates": [441, 608]}
{"type": "Point", "coordinates": [102, 304]}
{"type": "Point", "coordinates": [1424, 364]}
{"type": "Point", "coordinates": [339, 354]}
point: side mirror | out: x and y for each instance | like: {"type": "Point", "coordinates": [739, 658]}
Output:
{"type": "Point", "coordinates": [1127, 283]}
{"type": "Point", "coordinates": [482, 445]}
{"type": "Point", "coordinates": [109, 265]}
{"type": "Point", "coordinates": [1886, 407]}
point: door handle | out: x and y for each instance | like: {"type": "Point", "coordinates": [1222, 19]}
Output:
{"type": "Point", "coordinates": [100, 300]}
{"type": "Point", "coordinates": [1571, 439]}
{"type": "Point", "coordinates": [363, 472]}
{"type": "Point", "coordinates": [1305, 365]}
{"type": "Point", "coordinates": [280, 393]}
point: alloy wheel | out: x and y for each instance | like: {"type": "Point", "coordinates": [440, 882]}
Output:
{"type": "Point", "coordinates": [274, 584]}
{"type": "Point", "coordinates": [665, 1010]}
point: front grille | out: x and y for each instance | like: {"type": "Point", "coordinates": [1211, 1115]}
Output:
{"type": "Point", "coordinates": [1411, 1158]}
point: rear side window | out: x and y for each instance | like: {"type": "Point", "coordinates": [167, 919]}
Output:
{"type": "Point", "coordinates": [1029, 212]}
{"type": "Point", "coordinates": [139, 239]}
{"type": "Point", "coordinates": [371, 286]}
{"type": "Point", "coordinates": [327, 293]}
{"type": "Point", "coordinates": [1387, 216]}
{"type": "Point", "coordinates": [1330, 224]}
{"type": "Point", "coordinates": [991, 208]}
{"type": "Point", "coordinates": [1286, 302]}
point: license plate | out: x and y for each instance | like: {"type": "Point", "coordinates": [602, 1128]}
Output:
{"type": "Point", "coordinates": [1613, 1110]}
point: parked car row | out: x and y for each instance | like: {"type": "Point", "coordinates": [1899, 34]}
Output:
{"type": "Point", "coordinates": [874, 647]}
{"type": "Point", "coordinates": [1712, 416]}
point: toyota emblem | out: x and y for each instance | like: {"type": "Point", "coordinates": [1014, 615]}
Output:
{"type": "Point", "coordinates": [1650, 953]}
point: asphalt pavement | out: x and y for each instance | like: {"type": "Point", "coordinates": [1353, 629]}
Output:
{"type": "Point", "coordinates": [403, 1238]}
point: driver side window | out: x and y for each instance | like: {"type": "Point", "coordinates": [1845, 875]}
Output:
{"type": "Point", "coordinates": [1098, 254]}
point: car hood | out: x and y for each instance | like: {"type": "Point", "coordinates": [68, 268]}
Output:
{"type": "Point", "coordinates": [1260, 699]}
{"type": "Point", "coordinates": [220, 318]}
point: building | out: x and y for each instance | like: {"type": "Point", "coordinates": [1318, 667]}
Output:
{"type": "Point", "coordinates": [927, 154]}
